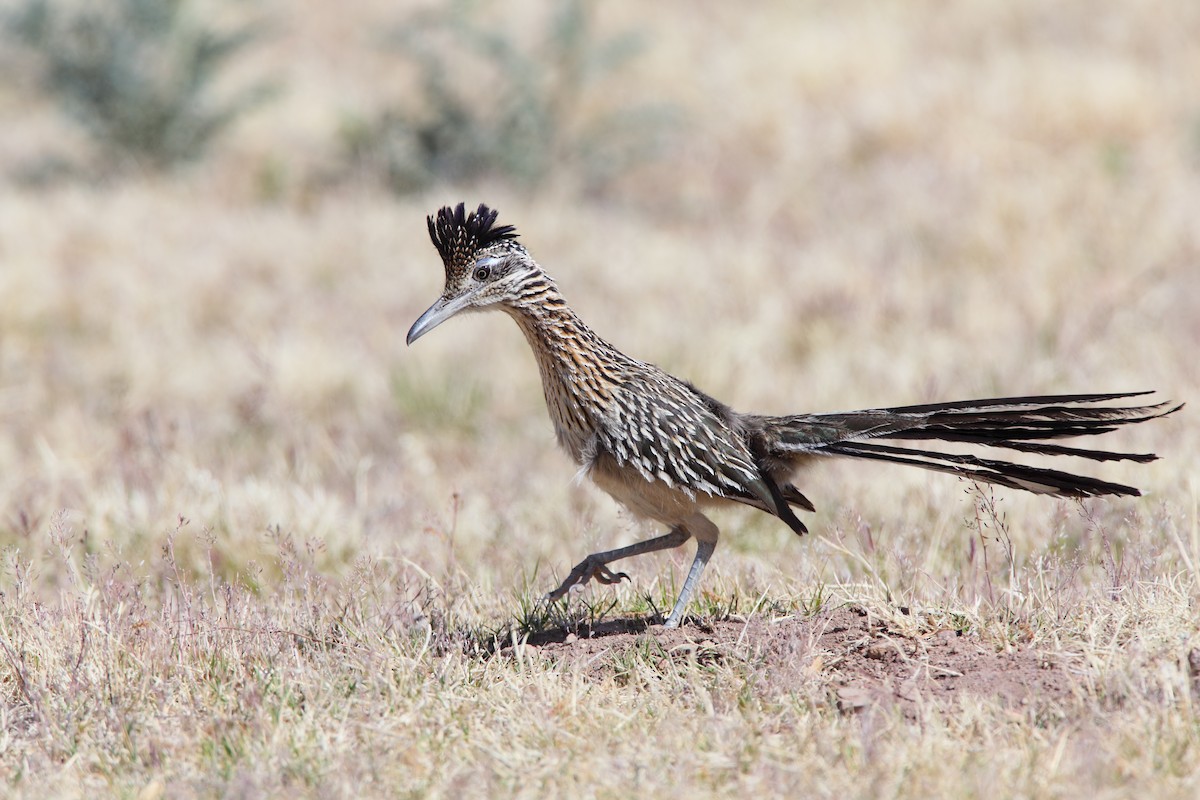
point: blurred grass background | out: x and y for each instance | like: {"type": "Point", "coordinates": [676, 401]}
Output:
{"type": "Point", "coordinates": [798, 206]}
{"type": "Point", "coordinates": [833, 208]}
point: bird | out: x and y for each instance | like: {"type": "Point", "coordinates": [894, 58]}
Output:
{"type": "Point", "coordinates": [667, 451]}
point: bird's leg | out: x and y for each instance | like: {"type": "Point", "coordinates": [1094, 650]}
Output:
{"type": "Point", "coordinates": [706, 542]}
{"type": "Point", "coordinates": [596, 565]}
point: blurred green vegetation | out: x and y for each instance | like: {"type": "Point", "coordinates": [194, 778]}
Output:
{"type": "Point", "coordinates": [145, 81]}
{"type": "Point", "coordinates": [491, 104]}
{"type": "Point", "coordinates": [137, 75]}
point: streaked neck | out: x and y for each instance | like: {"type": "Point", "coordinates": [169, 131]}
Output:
{"type": "Point", "coordinates": [579, 370]}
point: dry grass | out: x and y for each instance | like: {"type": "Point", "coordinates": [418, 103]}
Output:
{"type": "Point", "coordinates": [252, 545]}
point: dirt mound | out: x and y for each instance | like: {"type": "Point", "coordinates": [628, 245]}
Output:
{"type": "Point", "coordinates": [860, 659]}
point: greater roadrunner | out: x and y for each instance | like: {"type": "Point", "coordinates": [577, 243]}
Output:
{"type": "Point", "coordinates": [666, 450]}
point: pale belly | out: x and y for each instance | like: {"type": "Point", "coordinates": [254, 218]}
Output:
{"type": "Point", "coordinates": [649, 499]}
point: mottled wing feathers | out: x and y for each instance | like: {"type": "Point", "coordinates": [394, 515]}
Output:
{"type": "Point", "coordinates": [665, 435]}
{"type": "Point", "coordinates": [665, 431]}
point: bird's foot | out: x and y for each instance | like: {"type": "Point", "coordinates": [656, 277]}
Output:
{"type": "Point", "coordinates": [588, 569]}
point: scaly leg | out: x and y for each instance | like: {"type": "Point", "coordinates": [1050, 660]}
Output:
{"type": "Point", "coordinates": [596, 565]}
{"type": "Point", "coordinates": [706, 534]}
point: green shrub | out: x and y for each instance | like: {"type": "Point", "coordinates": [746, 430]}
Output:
{"type": "Point", "coordinates": [136, 74]}
{"type": "Point", "coordinates": [490, 105]}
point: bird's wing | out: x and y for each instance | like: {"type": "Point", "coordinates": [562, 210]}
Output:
{"type": "Point", "coordinates": [662, 430]}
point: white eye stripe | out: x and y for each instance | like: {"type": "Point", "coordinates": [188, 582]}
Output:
{"type": "Point", "coordinates": [488, 262]}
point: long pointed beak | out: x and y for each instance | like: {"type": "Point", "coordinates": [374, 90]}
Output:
{"type": "Point", "coordinates": [435, 315]}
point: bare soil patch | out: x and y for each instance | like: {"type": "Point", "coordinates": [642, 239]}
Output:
{"type": "Point", "coordinates": [858, 658]}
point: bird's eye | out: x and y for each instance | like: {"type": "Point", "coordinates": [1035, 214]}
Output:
{"type": "Point", "coordinates": [483, 273]}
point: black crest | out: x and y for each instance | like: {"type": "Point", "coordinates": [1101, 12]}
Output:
{"type": "Point", "coordinates": [458, 235]}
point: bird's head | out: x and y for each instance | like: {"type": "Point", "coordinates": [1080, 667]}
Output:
{"type": "Point", "coordinates": [485, 265]}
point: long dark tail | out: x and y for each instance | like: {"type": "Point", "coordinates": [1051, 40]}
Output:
{"type": "Point", "coordinates": [1025, 424]}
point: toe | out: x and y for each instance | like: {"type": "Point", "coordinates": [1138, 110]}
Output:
{"type": "Point", "coordinates": [608, 577]}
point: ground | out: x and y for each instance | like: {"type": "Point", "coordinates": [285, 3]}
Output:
{"type": "Point", "coordinates": [253, 545]}
{"type": "Point", "coordinates": [866, 663]}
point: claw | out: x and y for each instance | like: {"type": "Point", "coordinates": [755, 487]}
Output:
{"type": "Point", "coordinates": [607, 576]}
{"type": "Point", "coordinates": [586, 570]}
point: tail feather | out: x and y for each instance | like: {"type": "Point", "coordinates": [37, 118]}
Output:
{"type": "Point", "coordinates": [1005, 473]}
{"type": "Point", "coordinates": [1062, 450]}
{"type": "Point", "coordinates": [1016, 402]}
{"type": "Point", "coordinates": [1023, 424]}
